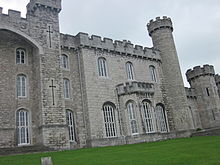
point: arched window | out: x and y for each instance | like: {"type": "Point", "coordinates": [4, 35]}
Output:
{"type": "Point", "coordinates": [23, 135]}
{"type": "Point", "coordinates": [130, 71]}
{"type": "Point", "coordinates": [71, 125]}
{"type": "Point", "coordinates": [64, 61]}
{"type": "Point", "coordinates": [21, 86]}
{"type": "Point", "coordinates": [148, 116]}
{"type": "Point", "coordinates": [132, 117]}
{"type": "Point", "coordinates": [66, 88]}
{"type": "Point", "coordinates": [109, 119]}
{"type": "Point", "coordinates": [153, 73]}
{"type": "Point", "coordinates": [161, 119]}
{"type": "Point", "coordinates": [20, 56]}
{"type": "Point", "coordinates": [102, 67]}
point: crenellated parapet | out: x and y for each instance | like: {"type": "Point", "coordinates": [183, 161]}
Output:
{"type": "Point", "coordinates": [12, 14]}
{"type": "Point", "coordinates": [159, 23]}
{"type": "Point", "coordinates": [121, 47]}
{"type": "Point", "coordinates": [13, 20]}
{"type": "Point", "coordinates": [217, 79]}
{"type": "Point", "coordinates": [198, 71]}
{"type": "Point", "coordinates": [190, 93]}
{"type": "Point", "coordinates": [135, 87]}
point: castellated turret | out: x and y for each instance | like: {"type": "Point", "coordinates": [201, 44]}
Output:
{"type": "Point", "coordinates": [202, 79]}
{"type": "Point", "coordinates": [174, 94]}
{"type": "Point", "coordinates": [47, 4]}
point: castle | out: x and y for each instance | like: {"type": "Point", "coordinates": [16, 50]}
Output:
{"type": "Point", "coordinates": [68, 92]}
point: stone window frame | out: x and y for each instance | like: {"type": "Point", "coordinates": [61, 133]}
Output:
{"type": "Point", "coordinates": [21, 49]}
{"type": "Point", "coordinates": [67, 67]}
{"type": "Point", "coordinates": [110, 119]}
{"type": "Point", "coordinates": [26, 126]}
{"type": "Point", "coordinates": [130, 70]}
{"type": "Point", "coordinates": [153, 73]}
{"type": "Point", "coordinates": [148, 115]}
{"type": "Point", "coordinates": [70, 116]}
{"type": "Point", "coordinates": [161, 118]}
{"type": "Point", "coordinates": [102, 67]}
{"type": "Point", "coordinates": [21, 86]}
{"type": "Point", "coordinates": [132, 117]}
{"type": "Point", "coordinates": [66, 89]}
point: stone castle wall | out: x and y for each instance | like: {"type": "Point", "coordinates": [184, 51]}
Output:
{"type": "Point", "coordinates": [9, 102]}
{"type": "Point", "coordinates": [103, 89]}
{"type": "Point", "coordinates": [39, 34]}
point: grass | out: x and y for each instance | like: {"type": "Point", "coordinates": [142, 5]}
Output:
{"type": "Point", "coordinates": [185, 151]}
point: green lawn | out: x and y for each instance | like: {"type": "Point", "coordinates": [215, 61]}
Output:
{"type": "Point", "coordinates": [187, 151]}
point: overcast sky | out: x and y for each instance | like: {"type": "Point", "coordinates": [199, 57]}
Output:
{"type": "Point", "coordinates": [196, 24]}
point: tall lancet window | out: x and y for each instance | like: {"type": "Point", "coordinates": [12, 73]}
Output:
{"type": "Point", "coordinates": [71, 125]}
{"type": "Point", "coordinates": [109, 119]}
{"type": "Point", "coordinates": [21, 86]}
{"type": "Point", "coordinates": [161, 119]}
{"type": "Point", "coordinates": [149, 117]}
{"type": "Point", "coordinates": [23, 135]}
{"type": "Point", "coordinates": [132, 118]}
{"type": "Point", "coordinates": [130, 71]}
{"type": "Point", "coordinates": [64, 61]}
{"type": "Point", "coordinates": [66, 88]}
{"type": "Point", "coordinates": [102, 67]}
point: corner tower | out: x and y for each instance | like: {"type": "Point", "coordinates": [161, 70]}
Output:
{"type": "Point", "coordinates": [202, 79]}
{"type": "Point", "coordinates": [174, 94]}
{"type": "Point", "coordinates": [43, 17]}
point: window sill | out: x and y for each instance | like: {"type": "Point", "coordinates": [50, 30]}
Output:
{"type": "Point", "coordinates": [19, 97]}
{"type": "Point", "coordinates": [23, 145]}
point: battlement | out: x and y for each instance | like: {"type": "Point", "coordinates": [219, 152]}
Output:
{"type": "Point", "coordinates": [159, 23]}
{"type": "Point", "coordinates": [198, 71]}
{"type": "Point", "coordinates": [217, 79]}
{"type": "Point", "coordinates": [121, 47]}
{"type": "Point", "coordinates": [54, 5]}
{"type": "Point", "coordinates": [135, 87]}
{"type": "Point", "coordinates": [12, 14]}
{"type": "Point", "coordinates": [190, 93]}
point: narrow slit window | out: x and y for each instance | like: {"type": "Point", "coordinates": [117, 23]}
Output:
{"type": "Point", "coordinates": [207, 91]}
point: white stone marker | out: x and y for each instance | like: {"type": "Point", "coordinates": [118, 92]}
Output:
{"type": "Point", "coordinates": [46, 161]}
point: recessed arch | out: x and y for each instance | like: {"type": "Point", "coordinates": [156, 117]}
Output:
{"type": "Point", "coordinates": [25, 36]}
{"type": "Point", "coordinates": [109, 103]}
{"type": "Point", "coordinates": [130, 101]}
{"type": "Point", "coordinates": [146, 100]}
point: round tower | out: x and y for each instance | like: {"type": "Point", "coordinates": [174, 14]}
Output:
{"type": "Point", "coordinates": [202, 79]}
{"type": "Point", "coordinates": [174, 94]}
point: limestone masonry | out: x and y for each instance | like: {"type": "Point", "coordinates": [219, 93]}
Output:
{"type": "Point", "coordinates": [67, 92]}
